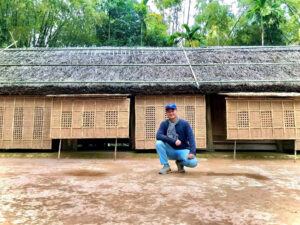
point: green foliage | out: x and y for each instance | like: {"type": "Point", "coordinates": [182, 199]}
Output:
{"type": "Point", "coordinates": [48, 23]}
{"type": "Point", "coordinates": [246, 34]}
{"type": "Point", "coordinates": [121, 26]}
{"type": "Point", "coordinates": [291, 26]}
{"type": "Point", "coordinates": [268, 14]}
{"type": "Point", "coordinates": [165, 4]}
{"type": "Point", "coordinates": [132, 23]}
{"type": "Point", "coordinates": [215, 20]}
{"type": "Point", "coordinates": [191, 36]}
{"type": "Point", "coordinates": [156, 34]}
{"type": "Point", "coordinates": [142, 11]}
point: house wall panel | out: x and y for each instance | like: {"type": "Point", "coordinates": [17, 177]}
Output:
{"type": "Point", "coordinates": [277, 119]}
{"type": "Point", "coordinates": [90, 118]}
{"type": "Point", "coordinates": [26, 122]}
{"type": "Point", "coordinates": [150, 112]}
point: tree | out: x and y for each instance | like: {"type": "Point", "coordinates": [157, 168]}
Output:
{"type": "Point", "coordinates": [263, 12]}
{"type": "Point", "coordinates": [142, 12]}
{"type": "Point", "coordinates": [191, 37]}
{"type": "Point", "coordinates": [156, 34]}
{"type": "Point", "coordinates": [291, 26]}
{"type": "Point", "coordinates": [122, 25]}
{"type": "Point", "coordinates": [173, 7]}
{"type": "Point", "coordinates": [215, 20]}
{"type": "Point", "coordinates": [49, 23]}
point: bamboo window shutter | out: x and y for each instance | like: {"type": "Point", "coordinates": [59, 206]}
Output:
{"type": "Point", "coordinates": [38, 123]}
{"type": "Point", "coordinates": [26, 122]}
{"type": "Point", "coordinates": [264, 118]}
{"type": "Point", "coordinates": [66, 119]}
{"type": "Point", "coordinates": [150, 123]}
{"type": "Point", "coordinates": [111, 118]}
{"type": "Point", "coordinates": [150, 112]}
{"type": "Point", "coordinates": [189, 115]}
{"type": "Point", "coordinates": [87, 117]}
{"type": "Point", "coordinates": [18, 123]}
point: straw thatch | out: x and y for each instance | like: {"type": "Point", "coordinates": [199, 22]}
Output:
{"type": "Point", "coordinates": [149, 70]}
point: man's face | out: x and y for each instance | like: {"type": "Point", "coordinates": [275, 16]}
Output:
{"type": "Point", "coordinates": [171, 113]}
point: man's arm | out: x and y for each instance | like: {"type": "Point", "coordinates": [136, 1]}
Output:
{"type": "Point", "coordinates": [191, 139]}
{"type": "Point", "coordinates": [161, 134]}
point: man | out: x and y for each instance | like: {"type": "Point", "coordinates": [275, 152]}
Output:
{"type": "Point", "coordinates": [176, 141]}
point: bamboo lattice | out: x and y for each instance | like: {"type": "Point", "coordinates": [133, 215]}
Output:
{"type": "Point", "coordinates": [150, 112]}
{"type": "Point", "coordinates": [265, 118]}
{"type": "Point", "coordinates": [25, 122]}
{"type": "Point", "coordinates": [90, 118]}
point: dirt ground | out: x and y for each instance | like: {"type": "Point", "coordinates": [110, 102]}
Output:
{"type": "Point", "coordinates": [129, 191]}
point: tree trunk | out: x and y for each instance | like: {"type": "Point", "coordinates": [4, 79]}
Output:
{"type": "Point", "coordinates": [141, 34]}
{"type": "Point", "coordinates": [262, 31]}
{"type": "Point", "coordinates": [183, 13]}
{"type": "Point", "coordinates": [188, 16]}
{"type": "Point", "coordinates": [108, 26]}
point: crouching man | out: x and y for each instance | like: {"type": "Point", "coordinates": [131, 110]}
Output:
{"type": "Point", "coordinates": [175, 141]}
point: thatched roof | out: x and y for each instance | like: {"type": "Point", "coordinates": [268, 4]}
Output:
{"type": "Point", "coordinates": [149, 70]}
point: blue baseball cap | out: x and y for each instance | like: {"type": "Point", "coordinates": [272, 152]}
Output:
{"type": "Point", "coordinates": [171, 106]}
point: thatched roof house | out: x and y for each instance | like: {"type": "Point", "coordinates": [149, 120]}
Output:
{"type": "Point", "coordinates": [226, 93]}
{"type": "Point", "coordinates": [149, 70]}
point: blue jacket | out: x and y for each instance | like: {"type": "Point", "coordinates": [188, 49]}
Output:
{"type": "Point", "coordinates": [185, 135]}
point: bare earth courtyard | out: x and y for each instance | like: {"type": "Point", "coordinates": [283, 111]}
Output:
{"type": "Point", "coordinates": [129, 191]}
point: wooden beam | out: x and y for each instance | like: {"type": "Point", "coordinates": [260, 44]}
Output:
{"type": "Point", "coordinates": [59, 147]}
{"type": "Point", "coordinates": [90, 95]}
{"type": "Point", "coordinates": [234, 150]}
{"type": "Point", "coordinates": [209, 137]}
{"type": "Point", "coordinates": [132, 122]}
{"type": "Point", "coordinates": [116, 147]}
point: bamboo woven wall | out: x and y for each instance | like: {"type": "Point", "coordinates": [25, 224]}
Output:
{"type": "Point", "coordinates": [25, 122]}
{"type": "Point", "coordinates": [90, 118]}
{"type": "Point", "coordinates": [262, 118]}
{"type": "Point", "coordinates": [150, 112]}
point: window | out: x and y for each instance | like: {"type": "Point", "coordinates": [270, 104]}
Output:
{"type": "Point", "coordinates": [150, 123]}
{"type": "Point", "coordinates": [18, 123]}
{"type": "Point", "coordinates": [289, 118]}
{"type": "Point", "coordinates": [189, 112]}
{"type": "Point", "coordinates": [266, 119]}
{"type": "Point", "coordinates": [243, 119]}
{"type": "Point", "coordinates": [88, 119]}
{"type": "Point", "coordinates": [111, 118]}
{"type": "Point", "coordinates": [38, 123]}
{"type": "Point", "coordinates": [66, 119]}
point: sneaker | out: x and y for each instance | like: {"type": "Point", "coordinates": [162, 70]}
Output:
{"type": "Point", "coordinates": [166, 169]}
{"type": "Point", "coordinates": [180, 167]}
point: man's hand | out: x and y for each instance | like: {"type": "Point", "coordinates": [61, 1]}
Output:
{"type": "Point", "coordinates": [178, 142]}
{"type": "Point", "coordinates": [190, 156]}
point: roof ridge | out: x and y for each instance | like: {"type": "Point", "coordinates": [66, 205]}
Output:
{"type": "Point", "coordinates": [206, 48]}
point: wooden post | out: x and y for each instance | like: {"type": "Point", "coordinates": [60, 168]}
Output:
{"type": "Point", "coordinates": [210, 145]}
{"type": "Point", "coordinates": [295, 154]}
{"type": "Point", "coordinates": [115, 154]}
{"type": "Point", "coordinates": [59, 147]}
{"type": "Point", "coordinates": [234, 150]}
{"type": "Point", "coordinates": [132, 122]}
